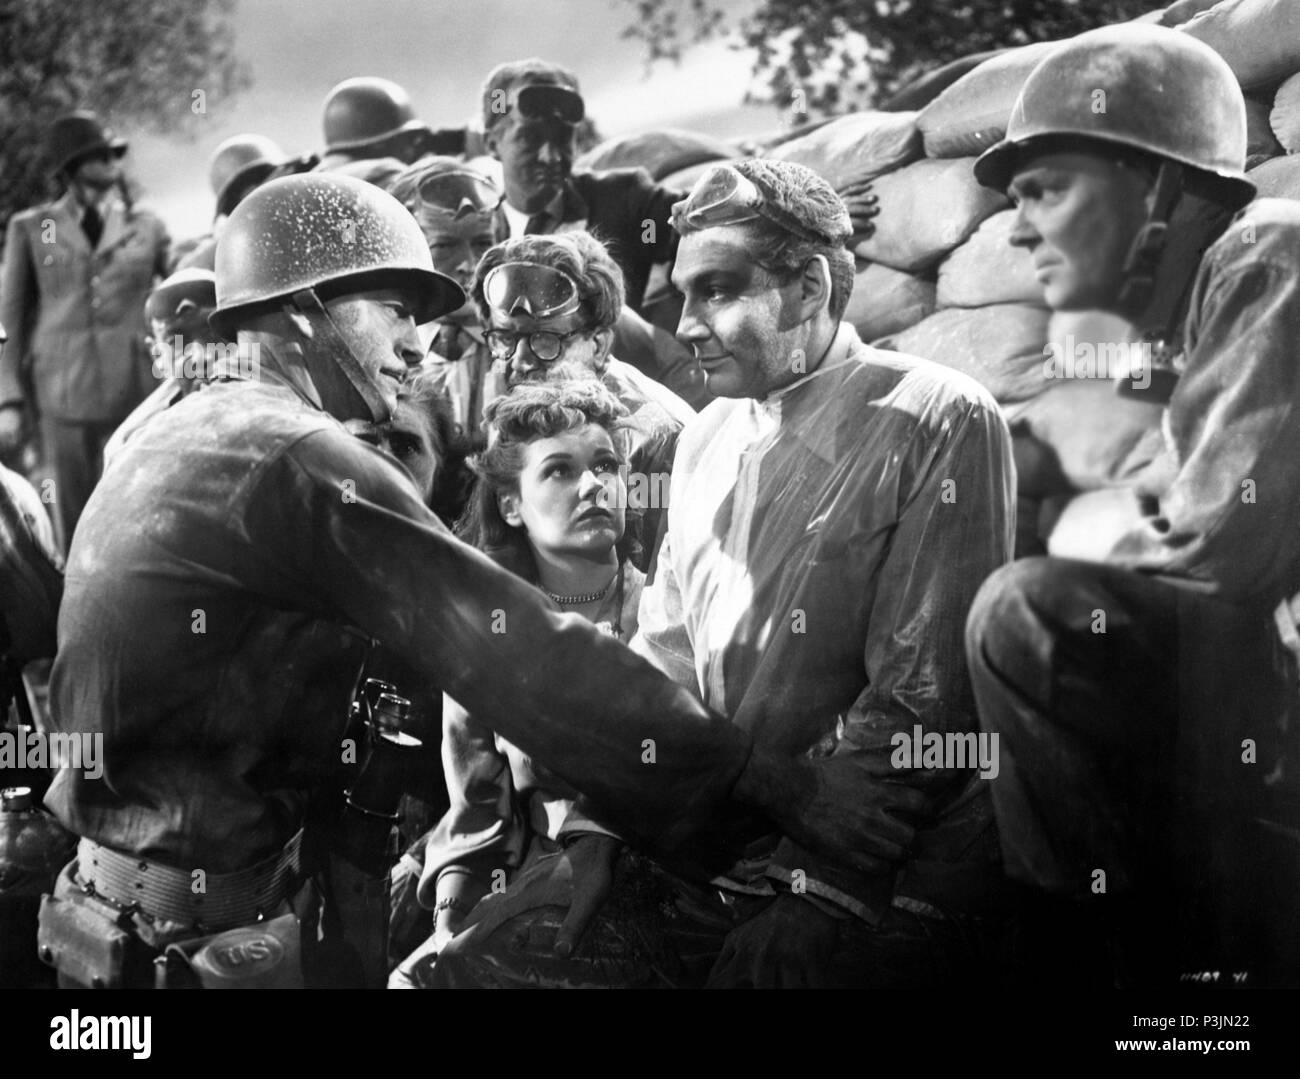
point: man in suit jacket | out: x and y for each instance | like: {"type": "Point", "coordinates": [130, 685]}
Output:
{"type": "Point", "coordinates": [75, 278]}
{"type": "Point", "coordinates": [531, 110]}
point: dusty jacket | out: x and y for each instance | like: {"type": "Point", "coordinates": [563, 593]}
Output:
{"type": "Point", "coordinates": [75, 316]}
{"type": "Point", "coordinates": [225, 577]}
{"type": "Point", "coordinates": [821, 555]}
{"type": "Point", "coordinates": [1229, 505]}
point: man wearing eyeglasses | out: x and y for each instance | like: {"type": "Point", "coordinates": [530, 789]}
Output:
{"type": "Point", "coordinates": [833, 515]}
{"type": "Point", "coordinates": [550, 305]}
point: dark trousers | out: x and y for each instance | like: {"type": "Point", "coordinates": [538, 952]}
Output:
{"type": "Point", "coordinates": [1142, 738]}
{"type": "Point", "coordinates": [74, 453]}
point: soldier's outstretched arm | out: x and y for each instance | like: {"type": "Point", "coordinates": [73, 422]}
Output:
{"type": "Point", "coordinates": [645, 749]}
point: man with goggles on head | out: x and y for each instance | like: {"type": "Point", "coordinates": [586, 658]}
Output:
{"type": "Point", "coordinates": [550, 305]}
{"type": "Point", "coordinates": [459, 212]}
{"type": "Point", "coordinates": [831, 523]}
{"type": "Point", "coordinates": [531, 112]}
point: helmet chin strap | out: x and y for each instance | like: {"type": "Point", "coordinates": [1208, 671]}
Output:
{"type": "Point", "coordinates": [365, 399]}
{"type": "Point", "coordinates": [1141, 278]}
{"type": "Point", "coordinates": [1143, 262]}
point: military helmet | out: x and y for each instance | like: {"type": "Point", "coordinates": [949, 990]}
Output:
{"type": "Point", "coordinates": [77, 134]}
{"type": "Point", "coordinates": [241, 160]}
{"type": "Point", "coordinates": [191, 286]}
{"type": "Point", "coordinates": [329, 233]}
{"type": "Point", "coordinates": [361, 112]}
{"type": "Point", "coordinates": [1149, 88]}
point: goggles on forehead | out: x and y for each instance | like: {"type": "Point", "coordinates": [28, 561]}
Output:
{"type": "Point", "coordinates": [515, 288]}
{"type": "Point", "coordinates": [458, 194]}
{"type": "Point", "coordinates": [549, 101]}
{"type": "Point", "coordinates": [725, 196]}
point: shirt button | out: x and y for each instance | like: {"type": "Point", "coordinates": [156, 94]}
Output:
{"type": "Point", "coordinates": [94, 302]}
{"type": "Point", "coordinates": [95, 280]}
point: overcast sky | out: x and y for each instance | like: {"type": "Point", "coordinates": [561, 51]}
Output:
{"type": "Point", "coordinates": [440, 51]}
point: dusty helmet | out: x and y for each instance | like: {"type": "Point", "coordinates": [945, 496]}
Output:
{"type": "Point", "coordinates": [240, 160]}
{"type": "Point", "coordinates": [321, 231]}
{"type": "Point", "coordinates": [1149, 88]}
{"type": "Point", "coordinates": [361, 112]}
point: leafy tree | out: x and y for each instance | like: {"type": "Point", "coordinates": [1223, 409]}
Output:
{"type": "Point", "coordinates": [137, 63]}
{"type": "Point", "coordinates": [832, 56]}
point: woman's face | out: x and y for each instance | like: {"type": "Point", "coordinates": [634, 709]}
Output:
{"type": "Point", "coordinates": [572, 495]}
{"type": "Point", "coordinates": [409, 439]}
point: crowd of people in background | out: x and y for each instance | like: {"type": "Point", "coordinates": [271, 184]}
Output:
{"type": "Point", "coordinates": [714, 653]}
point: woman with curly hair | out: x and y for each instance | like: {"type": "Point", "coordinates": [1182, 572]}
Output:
{"type": "Point", "coordinates": [549, 505]}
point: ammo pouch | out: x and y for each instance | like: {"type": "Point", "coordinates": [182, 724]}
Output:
{"type": "Point", "coordinates": [93, 942]}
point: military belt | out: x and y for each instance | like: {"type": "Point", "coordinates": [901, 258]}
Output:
{"type": "Point", "coordinates": [215, 901]}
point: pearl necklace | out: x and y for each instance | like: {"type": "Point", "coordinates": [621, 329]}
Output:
{"type": "Point", "coordinates": [575, 601]}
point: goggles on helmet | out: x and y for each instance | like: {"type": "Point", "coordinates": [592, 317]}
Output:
{"type": "Point", "coordinates": [725, 196]}
{"type": "Point", "coordinates": [458, 194]}
{"type": "Point", "coordinates": [527, 288]}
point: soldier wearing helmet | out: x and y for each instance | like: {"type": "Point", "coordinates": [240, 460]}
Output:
{"type": "Point", "coordinates": [1138, 694]}
{"type": "Point", "coordinates": [184, 347]}
{"type": "Point", "coordinates": [244, 552]}
{"type": "Point", "coordinates": [239, 165]}
{"type": "Point", "coordinates": [459, 212]}
{"type": "Point", "coordinates": [371, 131]}
{"type": "Point", "coordinates": [236, 167]}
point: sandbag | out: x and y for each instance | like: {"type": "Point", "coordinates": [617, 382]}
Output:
{"type": "Point", "coordinates": [999, 346]}
{"type": "Point", "coordinates": [1261, 143]}
{"type": "Point", "coordinates": [926, 210]}
{"type": "Point", "coordinates": [1182, 11]}
{"type": "Point", "coordinates": [1278, 178]}
{"type": "Point", "coordinates": [1284, 119]}
{"type": "Point", "coordinates": [1091, 435]}
{"type": "Point", "coordinates": [986, 269]}
{"type": "Point", "coordinates": [1099, 330]}
{"type": "Point", "coordinates": [918, 93]}
{"type": "Point", "coordinates": [759, 145]}
{"type": "Point", "coordinates": [855, 147]}
{"type": "Point", "coordinates": [885, 301]}
{"type": "Point", "coordinates": [1260, 39]}
{"type": "Point", "coordinates": [1093, 346]}
{"type": "Point", "coordinates": [660, 152]}
{"type": "Point", "coordinates": [972, 114]}
{"type": "Point", "coordinates": [684, 179]}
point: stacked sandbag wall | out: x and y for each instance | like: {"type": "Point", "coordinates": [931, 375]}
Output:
{"type": "Point", "coordinates": [939, 278]}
